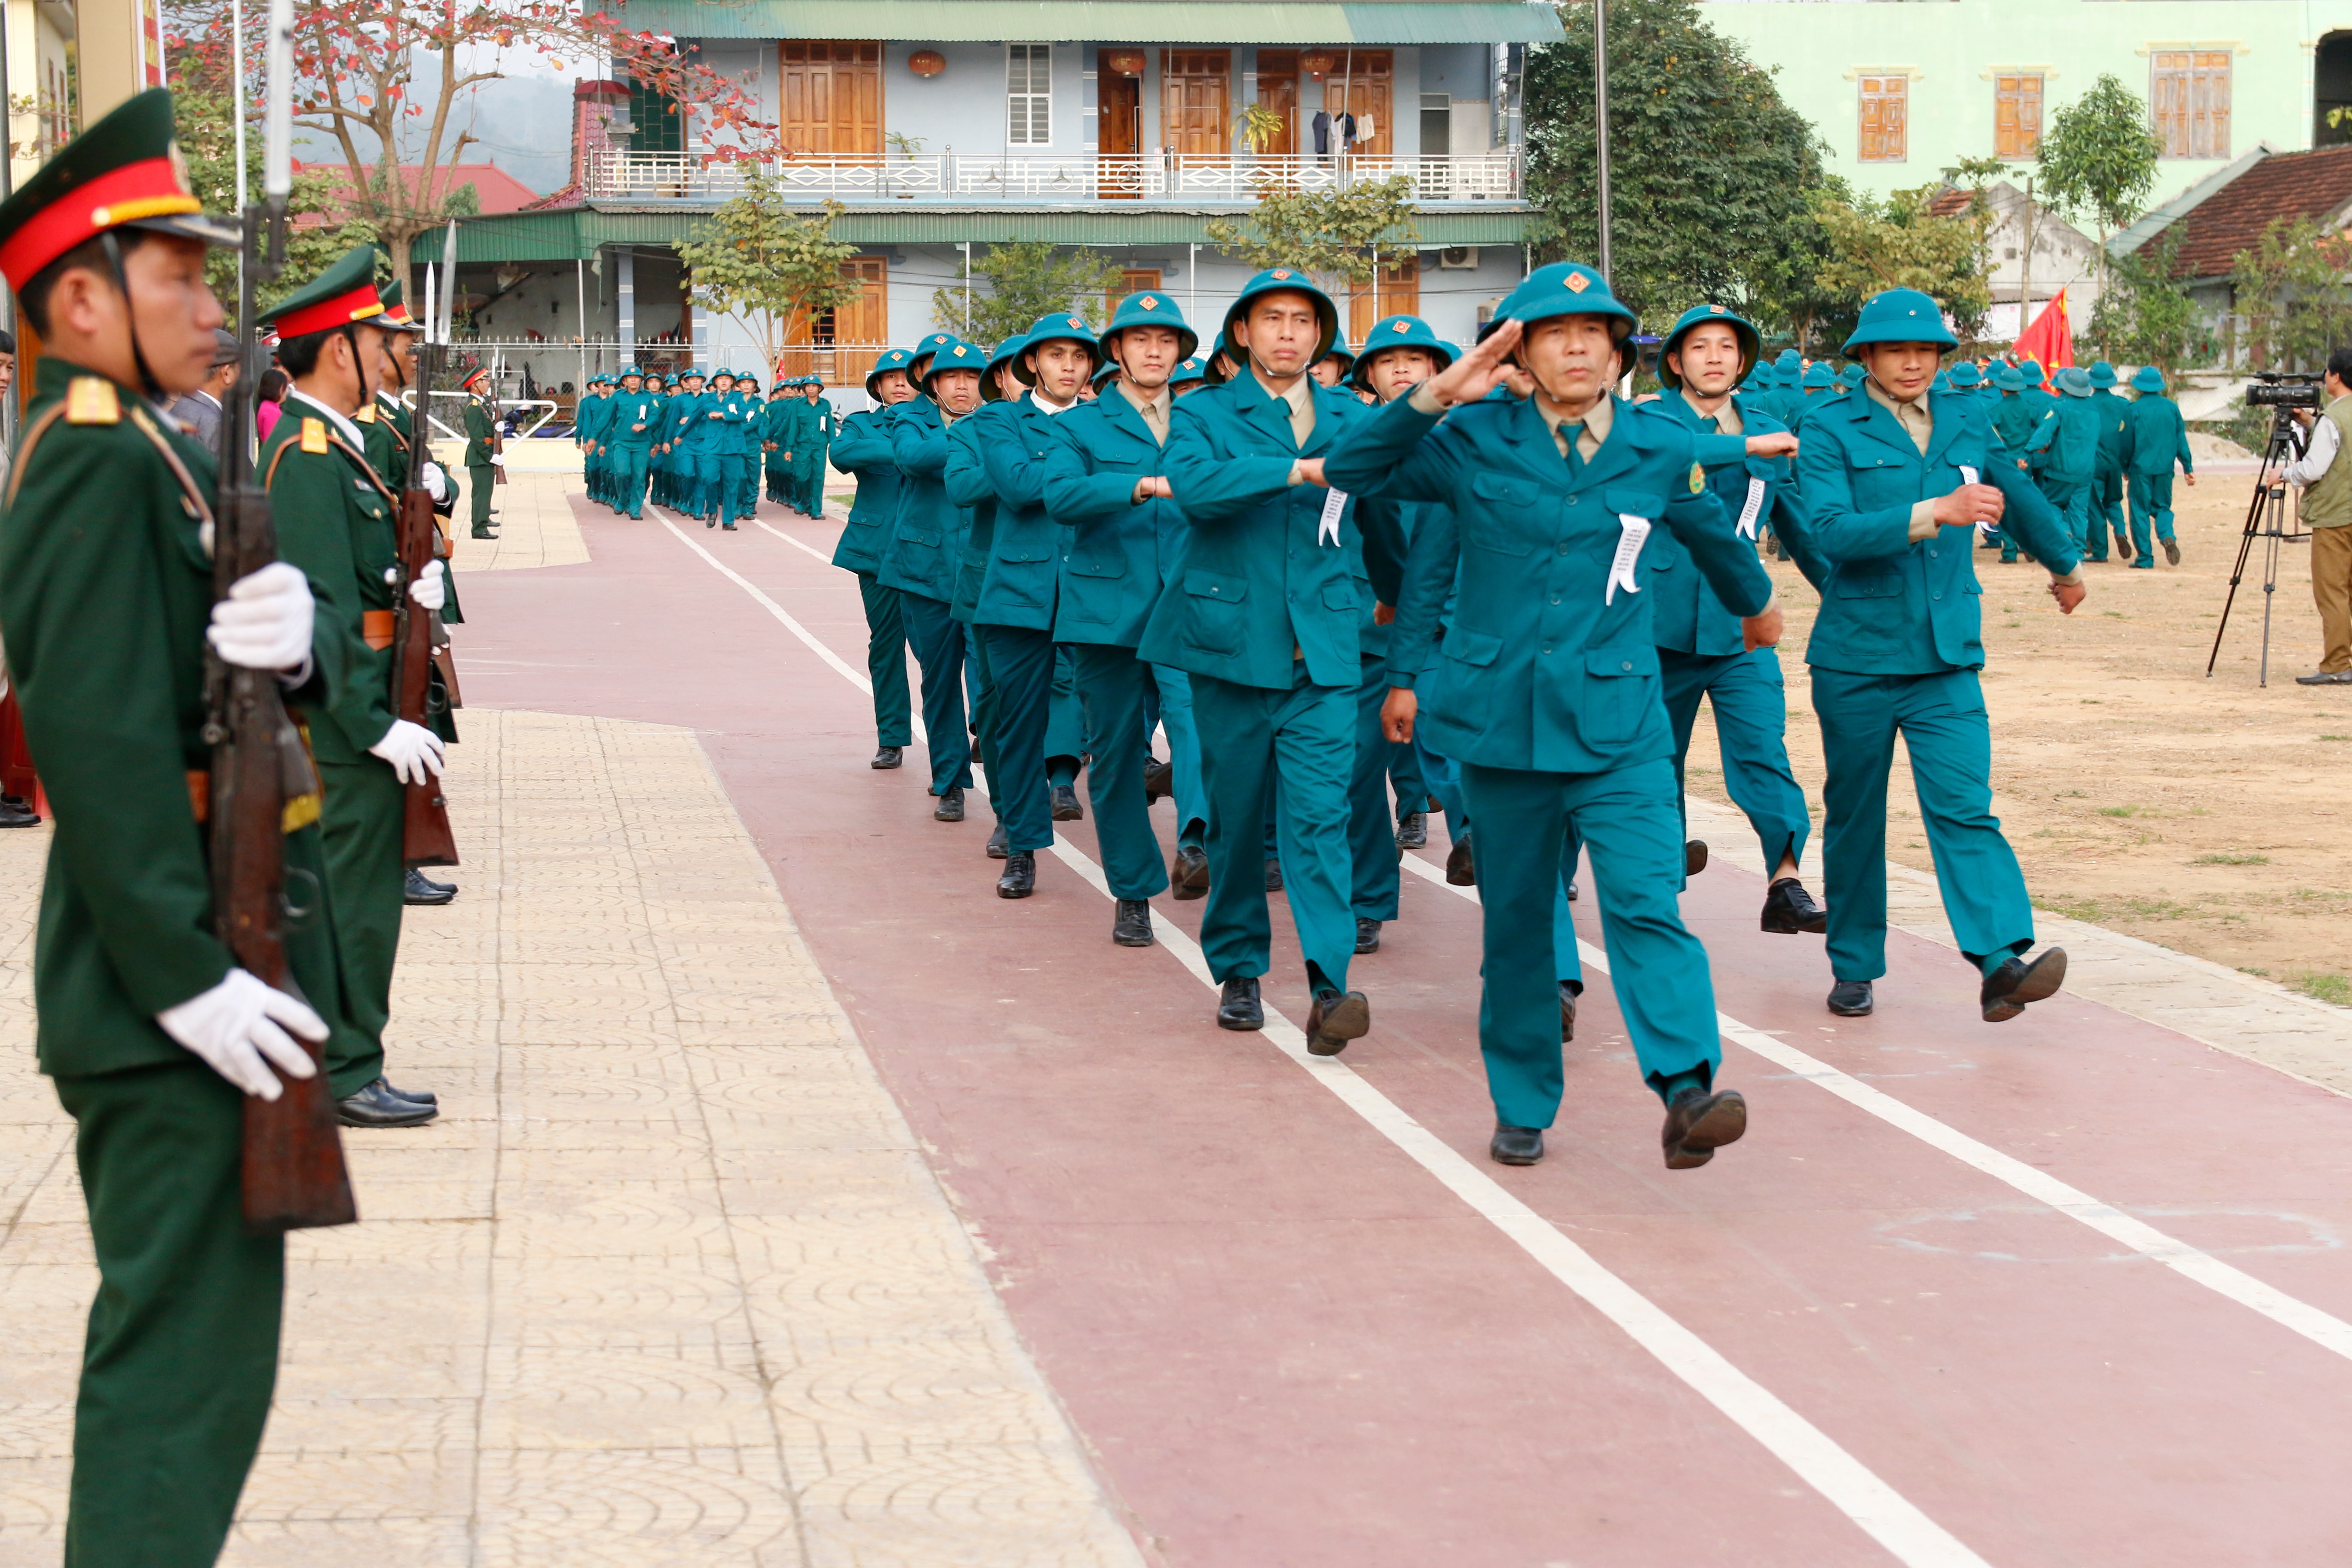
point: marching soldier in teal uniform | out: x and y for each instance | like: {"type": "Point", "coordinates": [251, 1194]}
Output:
{"type": "Point", "coordinates": [1105, 480]}
{"type": "Point", "coordinates": [745, 436]}
{"type": "Point", "coordinates": [2065, 445]}
{"type": "Point", "coordinates": [661, 481]}
{"type": "Point", "coordinates": [817, 443]}
{"type": "Point", "coordinates": [2106, 500]}
{"type": "Point", "coordinates": [151, 1035]}
{"type": "Point", "coordinates": [1263, 617]}
{"type": "Point", "coordinates": [720, 462]}
{"type": "Point", "coordinates": [2158, 440]}
{"type": "Point", "coordinates": [1547, 691]}
{"type": "Point", "coordinates": [1701, 654]}
{"type": "Point", "coordinates": [335, 521]}
{"type": "Point", "coordinates": [772, 433]}
{"type": "Point", "coordinates": [968, 486]}
{"type": "Point", "coordinates": [636, 413]}
{"type": "Point", "coordinates": [1894, 480]}
{"type": "Point", "coordinates": [919, 556]}
{"type": "Point", "coordinates": [864, 451]}
{"type": "Point", "coordinates": [481, 462]}
{"type": "Point", "coordinates": [688, 441]}
{"type": "Point", "coordinates": [588, 431]}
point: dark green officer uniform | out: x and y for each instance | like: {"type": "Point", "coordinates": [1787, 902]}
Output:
{"type": "Point", "coordinates": [481, 474]}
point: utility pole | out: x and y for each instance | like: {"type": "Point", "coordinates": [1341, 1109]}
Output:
{"type": "Point", "coordinates": [2025, 265]}
{"type": "Point", "coordinates": [1600, 124]}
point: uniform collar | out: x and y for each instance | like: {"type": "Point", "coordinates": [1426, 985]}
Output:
{"type": "Point", "coordinates": [342, 422]}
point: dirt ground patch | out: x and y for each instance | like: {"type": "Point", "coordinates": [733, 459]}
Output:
{"type": "Point", "coordinates": [2208, 815]}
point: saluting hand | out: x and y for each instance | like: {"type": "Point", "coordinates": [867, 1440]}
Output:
{"type": "Point", "coordinates": [1478, 373]}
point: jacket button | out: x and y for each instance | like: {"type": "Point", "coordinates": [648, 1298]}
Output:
{"type": "Point", "coordinates": [1547, 647]}
{"type": "Point", "coordinates": [1555, 598]}
{"type": "Point", "coordinates": [1563, 550]}
{"type": "Point", "coordinates": [1627, 666]}
{"type": "Point", "coordinates": [1935, 595]}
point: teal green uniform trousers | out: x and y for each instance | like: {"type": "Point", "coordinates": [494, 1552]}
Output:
{"type": "Point", "coordinates": [1292, 751]}
{"type": "Point", "coordinates": [1941, 719]}
{"type": "Point", "coordinates": [885, 662]}
{"type": "Point", "coordinates": [2071, 499]}
{"type": "Point", "coordinates": [937, 640]}
{"type": "Point", "coordinates": [1628, 823]}
{"type": "Point", "coordinates": [1112, 685]}
{"type": "Point", "coordinates": [2151, 509]}
{"type": "Point", "coordinates": [1751, 723]}
{"type": "Point", "coordinates": [360, 822]}
{"type": "Point", "coordinates": [182, 1353]}
{"type": "Point", "coordinates": [1175, 689]}
{"type": "Point", "coordinates": [2106, 501]}
{"type": "Point", "coordinates": [629, 480]}
{"type": "Point", "coordinates": [1066, 740]}
{"type": "Point", "coordinates": [980, 692]}
{"type": "Point", "coordinates": [1020, 669]}
{"type": "Point", "coordinates": [1371, 829]}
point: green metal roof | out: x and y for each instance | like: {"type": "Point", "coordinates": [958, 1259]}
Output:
{"type": "Point", "coordinates": [571, 234]}
{"type": "Point", "coordinates": [1105, 21]}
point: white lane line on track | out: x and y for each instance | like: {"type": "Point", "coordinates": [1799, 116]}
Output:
{"type": "Point", "coordinates": [2329, 1331]}
{"type": "Point", "coordinates": [805, 548]}
{"type": "Point", "coordinates": [1848, 1485]}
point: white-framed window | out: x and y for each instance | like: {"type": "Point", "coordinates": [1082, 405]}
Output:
{"type": "Point", "coordinates": [1029, 94]}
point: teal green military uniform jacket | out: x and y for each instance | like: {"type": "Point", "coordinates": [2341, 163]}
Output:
{"type": "Point", "coordinates": [926, 542]}
{"type": "Point", "coordinates": [1686, 617]}
{"type": "Point", "coordinates": [2012, 423]}
{"type": "Point", "coordinates": [863, 449]}
{"type": "Point", "coordinates": [1001, 452]}
{"type": "Point", "coordinates": [632, 408]}
{"type": "Point", "coordinates": [965, 480]}
{"type": "Point", "coordinates": [1111, 582]}
{"type": "Point", "coordinates": [1546, 668]}
{"type": "Point", "coordinates": [1890, 606]}
{"type": "Point", "coordinates": [2067, 442]}
{"type": "Point", "coordinates": [2114, 430]}
{"type": "Point", "coordinates": [336, 524]}
{"type": "Point", "coordinates": [1258, 584]}
{"type": "Point", "coordinates": [2159, 438]}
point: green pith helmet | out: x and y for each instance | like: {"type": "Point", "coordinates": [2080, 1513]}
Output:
{"type": "Point", "coordinates": [895, 360]}
{"type": "Point", "coordinates": [2147, 378]}
{"type": "Point", "coordinates": [1397, 332]}
{"type": "Point", "coordinates": [2008, 379]}
{"type": "Point", "coordinates": [1788, 366]}
{"type": "Point", "coordinates": [1564, 289]}
{"type": "Point", "coordinates": [1751, 341]}
{"type": "Point", "coordinates": [1819, 377]}
{"type": "Point", "coordinates": [2075, 382]}
{"type": "Point", "coordinates": [954, 355]}
{"type": "Point", "coordinates": [1277, 280]}
{"type": "Point", "coordinates": [1850, 377]}
{"type": "Point", "coordinates": [1193, 368]}
{"type": "Point", "coordinates": [925, 349]}
{"type": "Point", "coordinates": [1901, 316]}
{"type": "Point", "coordinates": [2102, 375]}
{"type": "Point", "coordinates": [1965, 377]}
{"type": "Point", "coordinates": [1151, 308]}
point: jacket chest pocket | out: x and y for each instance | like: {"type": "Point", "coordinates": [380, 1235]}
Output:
{"type": "Point", "coordinates": [1869, 580]}
{"type": "Point", "coordinates": [1620, 692]}
{"type": "Point", "coordinates": [1881, 479]}
{"type": "Point", "coordinates": [1215, 625]}
{"type": "Point", "coordinates": [1506, 516]}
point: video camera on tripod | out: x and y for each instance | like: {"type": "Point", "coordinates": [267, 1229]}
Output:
{"type": "Point", "coordinates": [2267, 514]}
{"type": "Point", "coordinates": [2284, 390]}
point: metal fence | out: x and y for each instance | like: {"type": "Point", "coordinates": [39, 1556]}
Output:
{"type": "Point", "coordinates": [548, 364]}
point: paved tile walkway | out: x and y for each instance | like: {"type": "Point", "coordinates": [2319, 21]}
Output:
{"type": "Point", "coordinates": [670, 1284]}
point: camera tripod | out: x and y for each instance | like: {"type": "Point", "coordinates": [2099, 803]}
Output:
{"type": "Point", "coordinates": [2267, 520]}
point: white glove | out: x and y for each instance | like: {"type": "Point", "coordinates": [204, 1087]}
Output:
{"type": "Point", "coordinates": [265, 622]}
{"type": "Point", "coordinates": [430, 590]}
{"type": "Point", "coordinates": [413, 752]}
{"type": "Point", "coordinates": [498, 459]}
{"type": "Point", "coordinates": [437, 483]}
{"type": "Point", "coordinates": [235, 1026]}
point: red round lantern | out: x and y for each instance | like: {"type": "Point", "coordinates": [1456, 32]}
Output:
{"type": "Point", "coordinates": [927, 63]}
{"type": "Point", "coordinates": [1317, 62]}
{"type": "Point", "coordinates": [1124, 62]}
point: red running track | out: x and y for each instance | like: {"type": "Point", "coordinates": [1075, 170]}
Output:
{"type": "Point", "coordinates": [1290, 1344]}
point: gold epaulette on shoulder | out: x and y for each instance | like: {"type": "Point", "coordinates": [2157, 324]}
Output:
{"type": "Point", "coordinates": [91, 400]}
{"type": "Point", "coordinates": [314, 436]}
{"type": "Point", "coordinates": [366, 416]}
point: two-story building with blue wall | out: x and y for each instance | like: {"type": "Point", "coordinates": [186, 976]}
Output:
{"type": "Point", "coordinates": [948, 126]}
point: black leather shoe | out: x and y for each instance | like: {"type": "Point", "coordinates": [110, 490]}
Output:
{"type": "Point", "coordinates": [1190, 874]}
{"type": "Point", "coordinates": [419, 1096]}
{"type": "Point", "coordinates": [1571, 893]}
{"type": "Point", "coordinates": [1131, 926]}
{"type": "Point", "coordinates": [2008, 989]}
{"type": "Point", "coordinates": [1460, 869]}
{"type": "Point", "coordinates": [951, 806]}
{"type": "Point", "coordinates": [1852, 999]}
{"type": "Point", "coordinates": [1694, 856]}
{"type": "Point", "coordinates": [1566, 1013]}
{"type": "Point", "coordinates": [1066, 803]}
{"type": "Point", "coordinates": [1159, 779]}
{"type": "Point", "coordinates": [1368, 936]}
{"type": "Point", "coordinates": [14, 813]}
{"type": "Point", "coordinates": [1698, 1123]}
{"type": "Point", "coordinates": [377, 1106]}
{"type": "Point", "coordinates": [1516, 1145]}
{"type": "Point", "coordinates": [1273, 874]}
{"type": "Point", "coordinates": [1020, 878]}
{"type": "Point", "coordinates": [419, 889]}
{"type": "Point", "coordinates": [888, 757]}
{"type": "Point", "coordinates": [1789, 908]}
{"type": "Point", "coordinates": [999, 843]}
{"type": "Point", "coordinates": [1413, 830]}
{"type": "Point", "coordinates": [2172, 550]}
{"type": "Point", "coordinates": [1335, 1019]}
{"type": "Point", "coordinates": [1238, 1008]}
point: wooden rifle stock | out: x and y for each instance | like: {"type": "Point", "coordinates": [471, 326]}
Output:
{"type": "Point", "coordinates": [294, 1176]}
{"type": "Point", "coordinates": [425, 836]}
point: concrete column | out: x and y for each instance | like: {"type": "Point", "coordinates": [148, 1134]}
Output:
{"type": "Point", "coordinates": [625, 294]}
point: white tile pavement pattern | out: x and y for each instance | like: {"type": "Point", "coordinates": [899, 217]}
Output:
{"type": "Point", "coordinates": [670, 1284]}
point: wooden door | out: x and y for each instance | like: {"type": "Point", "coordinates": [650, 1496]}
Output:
{"type": "Point", "coordinates": [1195, 111]}
{"type": "Point", "coordinates": [1118, 132]}
{"type": "Point", "coordinates": [1398, 294]}
{"type": "Point", "coordinates": [1278, 91]}
{"type": "Point", "coordinates": [829, 102]}
{"type": "Point", "coordinates": [841, 345]}
{"type": "Point", "coordinates": [1360, 85]}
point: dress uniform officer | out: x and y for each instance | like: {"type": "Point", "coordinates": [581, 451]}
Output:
{"type": "Point", "coordinates": [865, 450]}
{"type": "Point", "coordinates": [335, 521]}
{"type": "Point", "coordinates": [1263, 619]}
{"type": "Point", "coordinates": [636, 413]}
{"type": "Point", "coordinates": [1548, 692]}
{"type": "Point", "coordinates": [151, 1033]}
{"type": "Point", "coordinates": [2158, 440]}
{"type": "Point", "coordinates": [921, 555]}
{"type": "Point", "coordinates": [1105, 480]}
{"type": "Point", "coordinates": [2066, 447]}
{"type": "Point", "coordinates": [2107, 500]}
{"type": "Point", "coordinates": [482, 463]}
{"type": "Point", "coordinates": [1746, 454]}
{"type": "Point", "coordinates": [1889, 479]}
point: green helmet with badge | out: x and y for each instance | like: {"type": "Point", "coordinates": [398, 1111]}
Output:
{"type": "Point", "coordinates": [895, 359]}
{"type": "Point", "coordinates": [1151, 308]}
{"type": "Point", "coordinates": [1398, 332]}
{"type": "Point", "coordinates": [1056, 326]}
{"type": "Point", "coordinates": [954, 355]}
{"type": "Point", "coordinates": [1279, 280]}
{"type": "Point", "coordinates": [1564, 289]}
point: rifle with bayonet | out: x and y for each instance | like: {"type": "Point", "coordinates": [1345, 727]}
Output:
{"type": "Point", "coordinates": [416, 634]}
{"type": "Point", "coordinates": [294, 1176]}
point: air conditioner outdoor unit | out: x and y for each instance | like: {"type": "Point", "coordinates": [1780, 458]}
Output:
{"type": "Point", "coordinates": [1458, 256]}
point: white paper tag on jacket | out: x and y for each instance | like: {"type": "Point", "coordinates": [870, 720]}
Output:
{"type": "Point", "coordinates": [1755, 505]}
{"type": "Point", "coordinates": [1327, 532]}
{"type": "Point", "coordinates": [1968, 475]}
{"type": "Point", "coordinates": [1629, 551]}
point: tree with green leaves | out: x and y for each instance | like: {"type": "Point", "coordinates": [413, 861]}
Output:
{"type": "Point", "coordinates": [2291, 288]}
{"type": "Point", "coordinates": [208, 143]}
{"type": "Point", "coordinates": [1709, 168]}
{"type": "Point", "coordinates": [2145, 314]}
{"type": "Point", "coordinates": [1902, 243]}
{"type": "Point", "coordinates": [769, 266]}
{"type": "Point", "coordinates": [1337, 234]}
{"type": "Point", "coordinates": [1020, 281]}
{"type": "Point", "coordinates": [2098, 159]}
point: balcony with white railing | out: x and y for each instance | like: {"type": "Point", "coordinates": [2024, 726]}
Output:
{"type": "Point", "coordinates": [957, 178]}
